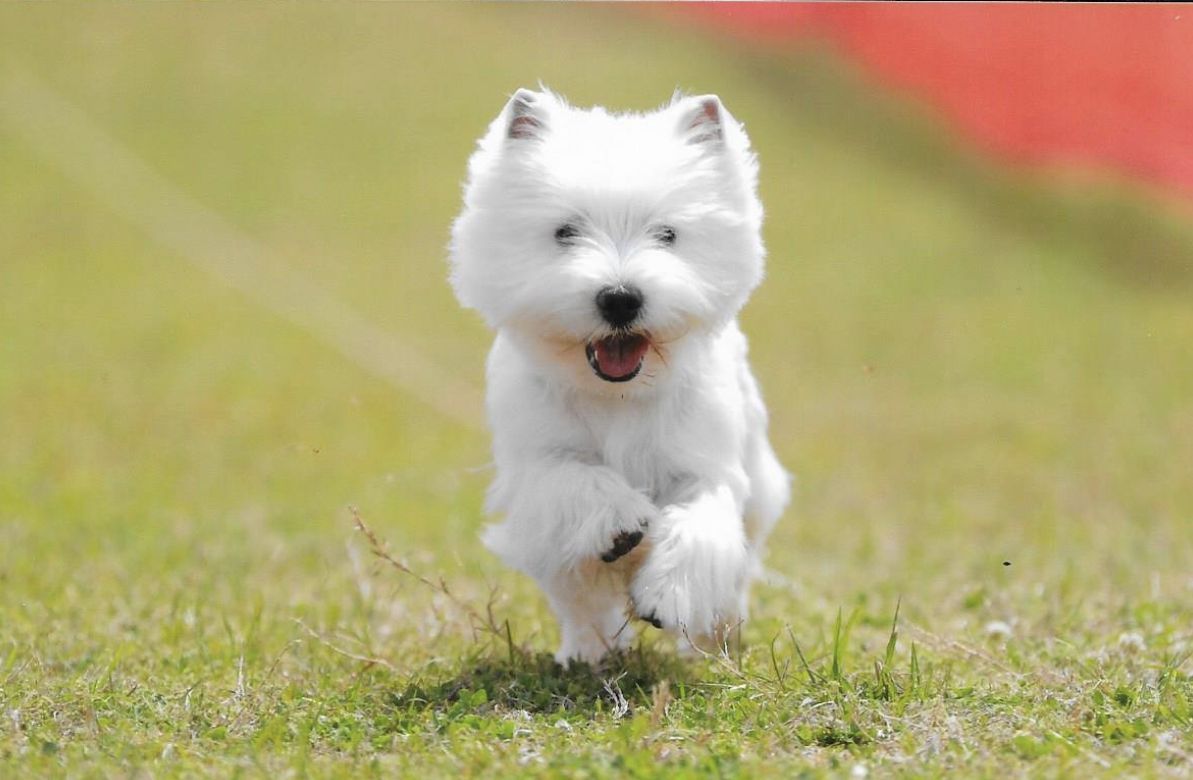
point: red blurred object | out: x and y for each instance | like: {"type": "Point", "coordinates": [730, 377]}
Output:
{"type": "Point", "coordinates": [1071, 84]}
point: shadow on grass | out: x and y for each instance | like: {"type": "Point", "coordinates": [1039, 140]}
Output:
{"type": "Point", "coordinates": [536, 683]}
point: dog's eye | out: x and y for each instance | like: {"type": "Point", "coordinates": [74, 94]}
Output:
{"type": "Point", "coordinates": [665, 235]}
{"type": "Point", "coordinates": [566, 233]}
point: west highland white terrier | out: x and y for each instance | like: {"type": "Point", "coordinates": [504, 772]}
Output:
{"type": "Point", "coordinates": [611, 253]}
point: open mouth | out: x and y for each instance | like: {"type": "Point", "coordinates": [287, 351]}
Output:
{"type": "Point", "coordinates": [617, 358]}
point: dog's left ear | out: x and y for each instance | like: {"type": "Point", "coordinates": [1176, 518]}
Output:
{"type": "Point", "coordinates": [700, 119]}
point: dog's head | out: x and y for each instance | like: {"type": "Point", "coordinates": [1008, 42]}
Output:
{"type": "Point", "coordinates": [604, 241]}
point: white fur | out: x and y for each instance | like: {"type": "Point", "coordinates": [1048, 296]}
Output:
{"type": "Point", "coordinates": [681, 450]}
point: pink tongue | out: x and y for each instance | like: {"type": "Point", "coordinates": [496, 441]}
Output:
{"type": "Point", "coordinates": [618, 357]}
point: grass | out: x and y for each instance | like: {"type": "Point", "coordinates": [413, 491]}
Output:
{"type": "Point", "coordinates": [982, 379]}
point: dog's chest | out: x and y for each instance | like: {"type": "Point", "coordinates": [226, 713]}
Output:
{"type": "Point", "coordinates": [647, 446]}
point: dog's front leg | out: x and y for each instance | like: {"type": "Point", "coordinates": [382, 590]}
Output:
{"type": "Point", "coordinates": [559, 515]}
{"type": "Point", "coordinates": [694, 578]}
{"type": "Point", "coordinates": [565, 525]}
{"type": "Point", "coordinates": [590, 604]}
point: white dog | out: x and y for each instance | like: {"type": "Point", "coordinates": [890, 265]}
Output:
{"type": "Point", "coordinates": [611, 254]}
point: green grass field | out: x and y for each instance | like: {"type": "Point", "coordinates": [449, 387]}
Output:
{"type": "Point", "coordinates": [982, 380]}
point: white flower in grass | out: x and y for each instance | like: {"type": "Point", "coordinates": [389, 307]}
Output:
{"type": "Point", "coordinates": [1131, 642]}
{"type": "Point", "coordinates": [998, 629]}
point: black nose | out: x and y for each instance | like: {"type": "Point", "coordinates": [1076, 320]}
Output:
{"type": "Point", "coordinates": [619, 305]}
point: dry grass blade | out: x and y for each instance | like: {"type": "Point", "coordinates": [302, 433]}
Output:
{"type": "Point", "coordinates": [485, 621]}
{"type": "Point", "coordinates": [368, 660]}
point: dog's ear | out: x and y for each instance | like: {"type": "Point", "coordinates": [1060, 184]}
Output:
{"type": "Point", "coordinates": [525, 117]}
{"type": "Point", "coordinates": [700, 119]}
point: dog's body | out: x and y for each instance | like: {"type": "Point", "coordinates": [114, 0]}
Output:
{"type": "Point", "coordinates": [611, 254]}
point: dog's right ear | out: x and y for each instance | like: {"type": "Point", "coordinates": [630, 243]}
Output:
{"type": "Point", "coordinates": [525, 117]}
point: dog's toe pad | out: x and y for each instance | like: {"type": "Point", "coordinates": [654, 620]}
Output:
{"type": "Point", "coordinates": [652, 619]}
{"type": "Point", "coordinates": [622, 544]}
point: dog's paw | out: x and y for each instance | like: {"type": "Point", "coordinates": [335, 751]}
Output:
{"type": "Point", "coordinates": [691, 582]}
{"type": "Point", "coordinates": [670, 600]}
{"type": "Point", "coordinates": [615, 527]}
{"type": "Point", "coordinates": [623, 543]}
{"type": "Point", "coordinates": [662, 597]}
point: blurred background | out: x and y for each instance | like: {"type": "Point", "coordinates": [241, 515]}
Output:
{"type": "Point", "coordinates": [224, 314]}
